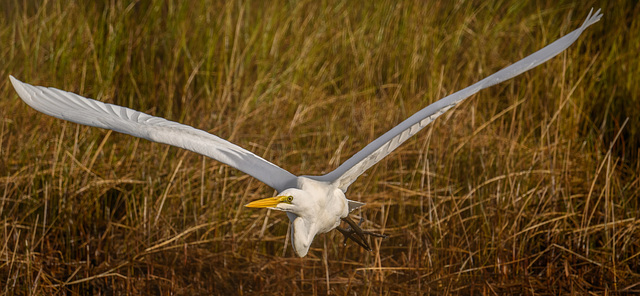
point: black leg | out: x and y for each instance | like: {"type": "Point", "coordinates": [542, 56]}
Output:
{"type": "Point", "coordinates": [356, 234]}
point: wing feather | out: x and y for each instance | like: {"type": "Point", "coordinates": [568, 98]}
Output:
{"type": "Point", "coordinates": [72, 107]}
{"type": "Point", "coordinates": [351, 169]}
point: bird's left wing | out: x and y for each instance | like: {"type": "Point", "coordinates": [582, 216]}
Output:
{"type": "Point", "coordinates": [351, 169]}
{"type": "Point", "coordinates": [78, 109]}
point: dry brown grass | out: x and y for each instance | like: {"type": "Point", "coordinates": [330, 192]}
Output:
{"type": "Point", "coordinates": [530, 187]}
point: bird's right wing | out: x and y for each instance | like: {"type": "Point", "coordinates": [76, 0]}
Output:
{"type": "Point", "coordinates": [351, 169]}
{"type": "Point", "coordinates": [78, 109]}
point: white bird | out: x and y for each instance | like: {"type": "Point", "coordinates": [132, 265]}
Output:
{"type": "Point", "coordinates": [314, 204]}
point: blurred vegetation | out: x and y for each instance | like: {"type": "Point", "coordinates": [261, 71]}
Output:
{"type": "Point", "coordinates": [530, 187]}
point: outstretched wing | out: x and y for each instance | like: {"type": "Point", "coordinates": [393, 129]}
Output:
{"type": "Point", "coordinates": [351, 169]}
{"type": "Point", "coordinates": [78, 109]}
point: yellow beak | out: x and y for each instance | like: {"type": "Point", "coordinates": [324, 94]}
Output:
{"type": "Point", "coordinates": [268, 202]}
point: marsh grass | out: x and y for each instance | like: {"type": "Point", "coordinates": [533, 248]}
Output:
{"type": "Point", "coordinates": [529, 187]}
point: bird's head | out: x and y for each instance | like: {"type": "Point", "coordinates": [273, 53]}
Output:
{"type": "Point", "coordinates": [290, 200]}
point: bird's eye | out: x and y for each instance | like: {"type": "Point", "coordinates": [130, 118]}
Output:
{"type": "Point", "coordinates": [289, 198]}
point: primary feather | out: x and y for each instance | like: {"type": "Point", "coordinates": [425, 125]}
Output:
{"type": "Point", "coordinates": [78, 109]}
{"type": "Point", "coordinates": [351, 169]}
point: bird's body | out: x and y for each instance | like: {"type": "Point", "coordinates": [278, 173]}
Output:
{"type": "Point", "coordinates": [322, 206]}
{"type": "Point", "coordinates": [314, 204]}
{"type": "Point", "coordinates": [315, 207]}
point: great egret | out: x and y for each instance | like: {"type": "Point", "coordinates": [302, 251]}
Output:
{"type": "Point", "coordinates": [314, 204]}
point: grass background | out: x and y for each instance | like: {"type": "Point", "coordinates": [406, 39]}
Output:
{"type": "Point", "coordinates": [529, 187]}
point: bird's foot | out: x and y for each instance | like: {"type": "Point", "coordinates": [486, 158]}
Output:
{"type": "Point", "coordinates": [356, 234]}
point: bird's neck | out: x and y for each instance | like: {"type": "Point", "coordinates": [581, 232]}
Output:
{"type": "Point", "coordinates": [302, 234]}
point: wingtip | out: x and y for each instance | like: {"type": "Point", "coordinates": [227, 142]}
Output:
{"type": "Point", "coordinates": [13, 80]}
{"type": "Point", "coordinates": [19, 86]}
{"type": "Point", "coordinates": [597, 15]}
{"type": "Point", "coordinates": [592, 18]}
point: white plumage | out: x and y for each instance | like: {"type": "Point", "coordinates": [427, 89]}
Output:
{"type": "Point", "coordinates": [314, 204]}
